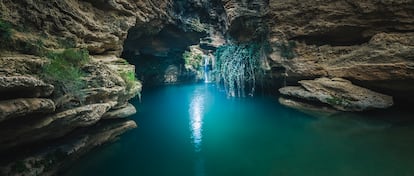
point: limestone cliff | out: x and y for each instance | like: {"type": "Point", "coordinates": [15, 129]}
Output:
{"type": "Point", "coordinates": [100, 26]}
{"type": "Point", "coordinates": [36, 109]}
{"type": "Point", "coordinates": [33, 112]}
{"type": "Point", "coordinates": [369, 43]}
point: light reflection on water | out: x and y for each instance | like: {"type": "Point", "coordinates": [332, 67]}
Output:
{"type": "Point", "coordinates": [196, 112]}
{"type": "Point", "coordinates": [196, 118]}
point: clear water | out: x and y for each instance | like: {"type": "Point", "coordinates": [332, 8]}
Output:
{"type": "Point", "coordinates": [194, 130]}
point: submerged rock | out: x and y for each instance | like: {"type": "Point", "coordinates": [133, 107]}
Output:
{"type": "Point", "coordinates": [338, 93]}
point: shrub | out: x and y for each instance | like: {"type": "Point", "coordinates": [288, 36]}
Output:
{"type": "Point", "coordinates": [64, 70]}
{"type": "Point", "coordinates": [75, 56]}
{"type": "Point", "coordinates": [129, 78]}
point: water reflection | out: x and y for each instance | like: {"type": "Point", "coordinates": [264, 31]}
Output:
{"type": "Point", "coordinates": [196, 111]}
{"type": "Point", "coordinates": [196, 118]}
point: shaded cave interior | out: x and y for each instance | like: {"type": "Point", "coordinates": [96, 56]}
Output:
{"type": "Point", "coordinates": [159, 57]}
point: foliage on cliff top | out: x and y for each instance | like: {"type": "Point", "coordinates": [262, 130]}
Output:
{"type": "Point", "coordinates": [237, 66]}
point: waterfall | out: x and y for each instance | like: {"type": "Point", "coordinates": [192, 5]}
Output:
{"type": "Point", "coordinates": [206, 69]}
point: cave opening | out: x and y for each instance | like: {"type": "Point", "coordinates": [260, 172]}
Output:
{"type": "Point", "coordinates": [158, 56]}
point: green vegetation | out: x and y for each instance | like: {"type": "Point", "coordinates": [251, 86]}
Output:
{"type": "Point", "coordinates": [286, 49]}
{"type": "Point", "coordinates": [76, 57]}
{"type": "Point", "coordinates": [129, 78]}
{"type": "Point", "coordinates": [130, 81]}
{"type": "Point", "coordinates": [192, 60]}
{"type": "Point", "coordinates": [66, 42]}
{"type": "Point", "coordinates": [64, 70]}
{"type": "Point", "coordinates": [237, 66]}
{"type": "Point", "coordinates": [33, 47]}
{"type": "Point", "coordinates": [338, 101]}
{"type": "Point", "coordinates": [5, 33]}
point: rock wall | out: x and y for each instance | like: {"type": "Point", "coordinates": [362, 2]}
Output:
{"type": "Point", "coordinates": [34, 113]}
{"type": "Point", "coordinates": [100, 26]}
{"type": "Point", "coordinates": [370, 43]}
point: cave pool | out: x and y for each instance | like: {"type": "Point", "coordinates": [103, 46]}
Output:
{"type": "Point", "coordinates": [195, 130]}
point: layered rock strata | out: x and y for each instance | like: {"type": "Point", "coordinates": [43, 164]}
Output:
{"type": "Point", "coordinates": [369, 43]}
{"type": "Point", "coordinates": [33, 114]}
{"type": "Point", "coordinates": [339, 93]}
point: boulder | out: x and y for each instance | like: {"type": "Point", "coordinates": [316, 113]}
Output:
{"type": "Point", "coordinates": [339, 93]}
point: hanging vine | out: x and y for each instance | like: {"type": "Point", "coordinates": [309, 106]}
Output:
{"type": "Point", "coordinates": [238, 66]}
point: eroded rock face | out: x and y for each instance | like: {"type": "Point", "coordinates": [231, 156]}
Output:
{"type": "Point", "coordinates": [36, 121]}
{"type": "Point", "coordinates": [24, 106]}
{"type": "Point", "coordinates": [369, 43]}
{"type": "Point", "coordinates": [384, 64]}
{"type": "Point", "coordinates": [124, 112]}
{"type": "Point", "coordinates": [336, 22]}
{"type": "Point", "coordinates": [23, 86]}
{"type": "Point", "coordinates": [49, 160]}
{"type": "Point", "coordinates": [20, 64]}
{"type": "Point", "coordinates": [50, 127]}
{"type": "Point", "coordinates": [339, 93]}
{"type": "Point", "coordinates": [308, 108]}
{"type": "Point", "coordinates": [99, 26]}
